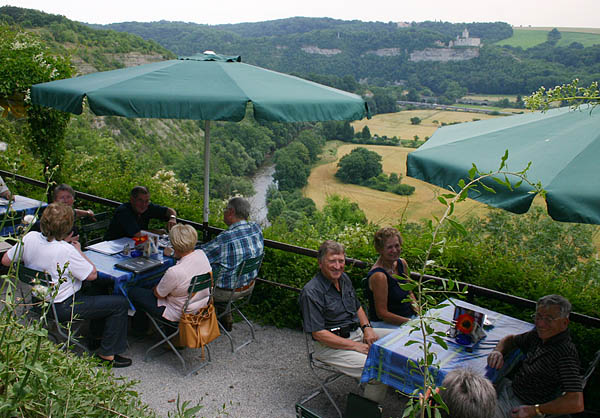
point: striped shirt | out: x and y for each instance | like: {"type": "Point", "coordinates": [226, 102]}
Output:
{"type": "Point", "coordinates": [241, 241]}
{"type": "Point", "coordinates": [549, 368]}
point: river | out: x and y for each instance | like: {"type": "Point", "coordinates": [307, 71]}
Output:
{"type": "Point", "coordinates": [261, 182]}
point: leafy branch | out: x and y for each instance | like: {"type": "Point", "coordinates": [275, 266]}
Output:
{"type": "Point", "coordinates": [571, 93]}
{"type": "Point", "coordinates": [420, 406]}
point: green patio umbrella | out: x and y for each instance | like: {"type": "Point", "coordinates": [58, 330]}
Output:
{"type": "Point", "coordinates": [563, 146]}
{"type": "Point", "coordinates": [202, 87]}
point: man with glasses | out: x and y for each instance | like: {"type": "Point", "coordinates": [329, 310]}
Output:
{"type": "Point", "coordinates": [131, 217]}
{"type": "Point", "coordinates": [549, 379]}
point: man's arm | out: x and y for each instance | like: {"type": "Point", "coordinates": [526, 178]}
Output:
{"type": "Point", "coordinates": [505, 346]}
{"type": "Point", "coordinates": [569, 403]}
{"type": "Point", "coordinates": [171, 218]}
{"type": "Point", "coordinates": [6, 259]}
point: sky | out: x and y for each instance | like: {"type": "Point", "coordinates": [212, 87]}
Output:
{"type": "Point", "coordinates": [554, 13]}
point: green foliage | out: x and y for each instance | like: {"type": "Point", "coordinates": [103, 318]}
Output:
{"type": "Point", "coordinates": [292, 166]}
{"type": "Point", "coordinates": [24, 61]}
{"type": "Point", "coordinates": [415, 120]}
{"type": "Point", "coordinates": [570, 93]}
{"type": "Point", "coordinates": [358, 166]}
{"type": "Point", "coordinates": [554, 36]}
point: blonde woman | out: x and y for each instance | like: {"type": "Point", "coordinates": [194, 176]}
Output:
{"type": "Point", "coordinates": [168, 297]}
{"type": "Point", "coordinates": [388, 304]}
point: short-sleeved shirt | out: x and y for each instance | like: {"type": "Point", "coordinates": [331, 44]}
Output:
{"type": "Point", "coordinates": [323, 307]}
{"type": "Point", "coordinates": [396, 295]}
{"type": "Point", "coordinates": [241, 241]}
{"type": "Point", "coordinates": [550, 368]}
{"type": "Point", "coordinates": [174, 285]}
{"type": "Point", "coordinates": [43, 255]}
{"type": "Point", "coordinates": [126, 223]}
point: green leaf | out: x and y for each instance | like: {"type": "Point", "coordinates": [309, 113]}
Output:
{"type": "Point", "coordinates": [458, 227]}
{"type": "Point", "coordinates": [442, 200]}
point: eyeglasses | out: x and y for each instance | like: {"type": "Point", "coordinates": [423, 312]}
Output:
{"type": "Point", "coordinates": [543, 318]}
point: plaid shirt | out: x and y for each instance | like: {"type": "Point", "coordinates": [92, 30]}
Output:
{"type": "Point", "coordinates": [243, 240]}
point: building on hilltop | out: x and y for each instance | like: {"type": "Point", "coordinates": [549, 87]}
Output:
{"type": "Point", "coordinates": [464, 40]}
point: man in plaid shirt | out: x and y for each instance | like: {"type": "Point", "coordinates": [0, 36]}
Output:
{"type": "Point", "coordinates": [241, 241]}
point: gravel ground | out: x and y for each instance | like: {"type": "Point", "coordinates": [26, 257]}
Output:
{"type": "Point", "coordinates": [264, 379]}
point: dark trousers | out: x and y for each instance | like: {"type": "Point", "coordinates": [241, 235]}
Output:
{"type": "Point", "coordinates": [108, 315]}
{"type": "Point", "coordinates": [144, 300]}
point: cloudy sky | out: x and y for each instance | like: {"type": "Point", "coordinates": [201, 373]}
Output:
{"type": "Point", "coordinates": [573, 13]}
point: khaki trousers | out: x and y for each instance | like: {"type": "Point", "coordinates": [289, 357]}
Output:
{"type": "Point", "coordinates": [351, 363]}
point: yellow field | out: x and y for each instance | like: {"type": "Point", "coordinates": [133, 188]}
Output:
{"type": "Point", "coordinates": [398, 124]}
{"type": "Point", "coordinates": [381, 207]}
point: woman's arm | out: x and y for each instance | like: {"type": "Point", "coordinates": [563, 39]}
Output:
{"type": "Point", "coordinates": [379, 286]}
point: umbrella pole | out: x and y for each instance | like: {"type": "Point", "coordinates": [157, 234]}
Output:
{"type": "Point", "coordinates": [206, 177]}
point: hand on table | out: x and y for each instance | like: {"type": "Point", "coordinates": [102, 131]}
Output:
{"type": "Point", "coordinates": [523, 411]}
{"type": "Point", "coordinates": [495, 359]}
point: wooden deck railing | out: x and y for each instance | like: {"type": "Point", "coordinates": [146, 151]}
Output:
{"type": "Point", "coordinates": [472, 290]}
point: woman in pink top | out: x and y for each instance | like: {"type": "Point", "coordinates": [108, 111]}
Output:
{"type": "Point", "coordinates": [169, 295]}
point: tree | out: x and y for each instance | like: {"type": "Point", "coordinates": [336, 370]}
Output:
{"type": "Point", "coordinates": [313, 142]}
{"type": "Point", "coordinates": [366, 133]}
{"type": "Point", "coordinates": [415, 120]}
{"type": "Point", "coordinates": [347, 132]}
{"type": "Point", "coordinates": [358, 166]}
{"type": "Point", "coordinates": [24, 61]}
{"type": "Point", "coordinates": [343, 211]}
{"type": "Point", "coordinates": [554, 36]}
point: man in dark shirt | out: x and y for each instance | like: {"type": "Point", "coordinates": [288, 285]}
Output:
{"type": "Point", "coordinates": [339, 325]}
{"type": "Point", "coordinates": [131, 217]}
{"type": "Point", "coordinates": [549, 379]}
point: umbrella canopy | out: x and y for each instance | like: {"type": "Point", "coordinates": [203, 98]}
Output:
{"type": "Point", "coordinates": [202, 87]}
{"type": "Point", "coordinates": [562, 145]}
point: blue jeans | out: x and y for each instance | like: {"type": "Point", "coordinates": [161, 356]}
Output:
{"type": "Point", "coordinates": [108, 315]}
{"type": "Point", "coordinates": [144, 300]}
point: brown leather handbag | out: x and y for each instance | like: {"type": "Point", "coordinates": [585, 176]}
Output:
{"type": "Point", "coordinates": [197, 330]}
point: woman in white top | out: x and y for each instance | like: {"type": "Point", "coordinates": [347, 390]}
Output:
{"type": "Point", "coordinates": [167, 298]}
{"type": "Point", "coordinates": [69, 268]}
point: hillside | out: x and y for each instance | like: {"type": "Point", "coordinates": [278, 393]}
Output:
{"type": "Point", "coordinates": [529, 37]}
{"type": "Point", "coordinates": [90, 50]}
{"type": "Point", "coordinates": [380, 53]}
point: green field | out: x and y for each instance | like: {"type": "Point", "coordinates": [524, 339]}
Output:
{"type": "Point", "coordinates": [527, 38]}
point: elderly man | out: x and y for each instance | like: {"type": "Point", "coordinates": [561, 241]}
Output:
{"type": "Point", "coordinates": [241, 241]}
{"type": "Point", "coordinates": [339, 325]}
{"type": "Point", "coordinates": [549, 379]}
{"type": "Point", "coordinates": [131, 217]}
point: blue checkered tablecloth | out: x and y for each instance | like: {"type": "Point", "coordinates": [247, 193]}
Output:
{"type": "Point", "coordinates": [105, 265]}
{"type": "Point", "coordinates": [388, 359]}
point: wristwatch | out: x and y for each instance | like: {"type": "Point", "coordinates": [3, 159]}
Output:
{"type": "Point", "coordinates": [537, 409]}
{"type": "Point", "coordinates": [367, 325]}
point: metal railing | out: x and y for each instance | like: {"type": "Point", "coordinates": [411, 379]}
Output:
{"type": "Point", "coordinates": [472, 290]}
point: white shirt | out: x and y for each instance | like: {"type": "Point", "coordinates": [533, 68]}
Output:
{"type": "Point", "coordinates": [52, 256]}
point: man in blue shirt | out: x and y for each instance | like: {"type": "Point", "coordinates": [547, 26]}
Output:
{"type": "Point", "coordinates": [241, 241]}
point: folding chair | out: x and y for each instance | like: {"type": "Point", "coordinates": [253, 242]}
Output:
{"type": "Point", "coordinates": [93, 232]}
{"type": "Point", "coordinates": [331, 375]}
{"type": "Point", "coordinates": [197, 284]}
{"type": "Point", "coordinates": [247, 266]}
{"type": "Point", "coordinates": [33, 277]}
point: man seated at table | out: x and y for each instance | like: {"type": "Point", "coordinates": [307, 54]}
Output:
{"type": "Point", "coordinates": [549, 379]}
{"type": "Point", "coordinates": [132, 217]}
{"type": "Point", "coordinates": [333, 315]}
{"type": "Point", "coordinates": [4, 190]}
{"type": "Point", "coordinates": [69, 268]}
{"type": "Point", "coordinates": [241, 241]}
